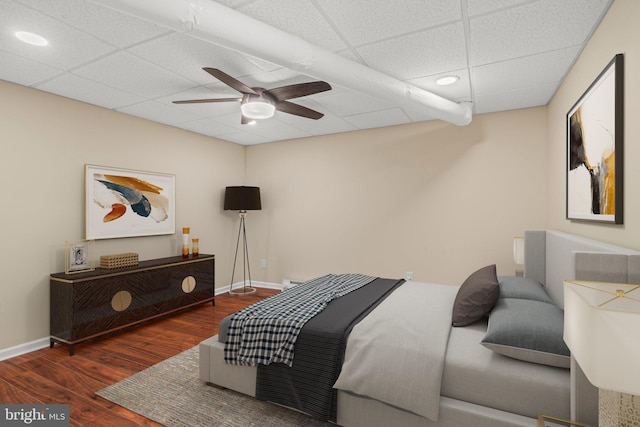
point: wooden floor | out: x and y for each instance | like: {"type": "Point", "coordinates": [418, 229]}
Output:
{"type": "Point", "coordinates": [51, 376]}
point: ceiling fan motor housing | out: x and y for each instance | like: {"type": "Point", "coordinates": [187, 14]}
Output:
{"type": "Point", "coordinates": [260, 106]}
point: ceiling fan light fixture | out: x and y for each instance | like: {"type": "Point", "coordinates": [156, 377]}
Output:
{"type": "Point", "coordinates": [447, 80]}
{"type": "Point", "coordinates": [258, 110]}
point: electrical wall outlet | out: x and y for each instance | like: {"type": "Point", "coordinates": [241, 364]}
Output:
{"type": "Point", "coordinates": [263, 263]}
{"type": "Point", "coordinates": [408, 275]}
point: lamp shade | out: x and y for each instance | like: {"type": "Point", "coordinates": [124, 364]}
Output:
{"type": "Point", "coordinates": [518, 250]}
{"type": "Point", "coordinates": [601, 328]}
{"type": "Point", "coordinates": [241, 198]}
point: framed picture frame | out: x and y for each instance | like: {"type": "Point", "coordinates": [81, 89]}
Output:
{"type": "Point", "coordinates": [128, 203]}
{"type": "Point", "coordinates": [77, 256]}
{"type": "Point", "coordinates": [595, 149]}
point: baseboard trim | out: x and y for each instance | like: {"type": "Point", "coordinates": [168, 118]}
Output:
{"type": "Point", "coordinates": [20, 349]}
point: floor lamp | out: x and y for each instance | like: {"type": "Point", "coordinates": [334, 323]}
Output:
{"type": "Point", "coordinates": [242, 199]}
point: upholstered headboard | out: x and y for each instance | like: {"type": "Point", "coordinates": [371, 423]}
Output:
{"type": "Point", "coordinates": [553, 256]}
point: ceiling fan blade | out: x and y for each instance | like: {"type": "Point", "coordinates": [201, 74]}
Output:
{"type": "Point", "coordinates": [201, 101]}
{"type": "Point", "coordinates": [229, 81]}
{"type": "Point", "coordinates": [296, 91]}
{"type": "Point", "coordinates": [298, 110]}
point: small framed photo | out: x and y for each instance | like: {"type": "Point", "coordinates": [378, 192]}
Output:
{"type": "Point", "coordinates": [77, 256]}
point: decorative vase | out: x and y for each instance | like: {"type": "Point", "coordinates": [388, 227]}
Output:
{"type": "Point", "coordinates": [195, 247]}
{"type": "Point", "coordinates": [185, 242]}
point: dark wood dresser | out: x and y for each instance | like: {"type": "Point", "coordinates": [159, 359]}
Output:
{"type": "Point", "coordinates": [87, 305]}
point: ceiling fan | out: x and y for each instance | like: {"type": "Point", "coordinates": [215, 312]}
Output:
{"type": "Point", "coordinates": [260, 103]}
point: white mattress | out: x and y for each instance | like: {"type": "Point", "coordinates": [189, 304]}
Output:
{"type": "Point", "coordinates": [472, 374]}
{"type": "Point", "coordinates": [478, 375]}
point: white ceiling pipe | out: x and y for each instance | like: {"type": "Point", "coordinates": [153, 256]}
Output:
{"type": "Point", "coordinates": [215, 23]}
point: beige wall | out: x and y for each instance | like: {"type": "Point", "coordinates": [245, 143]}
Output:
{"type": "Point", "coordinates": [618, 33]}
{"type": "Point", "coordinates": [430, 197]}
{"type": "Point", "coordinates": [46, 140]}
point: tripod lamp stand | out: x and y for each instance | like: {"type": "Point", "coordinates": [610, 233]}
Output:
{"type": "Point", "coordinates": [242, 199]}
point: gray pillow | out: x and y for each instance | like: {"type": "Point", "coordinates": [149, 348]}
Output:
{"type": "Point", "coordinates": [476, 297]}
{"type": "Point", "coordinates": [523, 288]}
{"type": "Point", "coordinates": [528, 330]}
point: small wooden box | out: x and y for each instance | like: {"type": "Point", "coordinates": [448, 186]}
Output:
{"type": "Point", "coordinates": [109, 262]}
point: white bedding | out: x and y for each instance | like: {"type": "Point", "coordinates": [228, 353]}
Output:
{"type": "Point", "coordinates": [396, 354]}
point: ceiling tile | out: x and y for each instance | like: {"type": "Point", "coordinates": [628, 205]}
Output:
{"type": "Point", "coordinates": [514, 99]}
{"type": "Point", "coordinates": [246, 138]}
{"type": "Point", "coordinates": [375, 119]}
{"type": "Point", "coordinates": [186, 56]}
{"type": "Point", "coordinates": [328, 124]}
{"type": "Point", "coordinates": [131, 74]}
{"type": "Point", "coordinates": [24, 71]}
{"type": "Point", "coordinates": [207, 127]}
{"type": "Point", "coordinates": [367, 21]}
{"type": "Point", "coordinates": [481, 7]}
{"type": "Point", "coordinates": [535, 70]}
{"type": "Point", "coordinates": [89, 91]}
{"type": "Point", "coordinates": [531, 28]}
{"type": "Point", "coordinates": [158, 112]}
{"type": "Point", "coordinates": [277, 131]}
{"type": "Point", "coordinates": [418, 54]}
{"type": "Point", "coordinates": [297, 17]}
{"type": "Point", "coordinates": [104, 23]}
{"type": "Point", "coordinates": [349, 103]}
{"type": "Point", "coordinates": [68, 47]}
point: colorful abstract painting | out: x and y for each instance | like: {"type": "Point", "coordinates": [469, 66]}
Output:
{"type": "Point", "coordinates": [594, 149]}
{"type": "Point", "coordinates": [128, 203]}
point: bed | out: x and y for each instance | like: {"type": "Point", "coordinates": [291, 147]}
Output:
{"type": "Point", "coordinates": [479, 373]}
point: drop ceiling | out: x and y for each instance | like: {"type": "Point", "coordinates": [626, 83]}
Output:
{"type": "Point", "coordinates": [508, 54]}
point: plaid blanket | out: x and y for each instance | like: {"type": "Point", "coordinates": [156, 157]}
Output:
{"type": "Point", "coordinates": [266, 332]}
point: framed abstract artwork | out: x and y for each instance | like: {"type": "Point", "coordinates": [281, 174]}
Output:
{"type": "Point", "coordinates": [128, 203]}
{"type": "Point", "coordinates": [595, 149]}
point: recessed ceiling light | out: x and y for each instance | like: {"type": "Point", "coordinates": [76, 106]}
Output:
{"type": "Point", "coordinates": [447, 80]}
{"type": "Point", "coordinates": [31, 38]}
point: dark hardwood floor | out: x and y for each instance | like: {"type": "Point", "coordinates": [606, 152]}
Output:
{"type": "Point", "coordinates": [51, 376]}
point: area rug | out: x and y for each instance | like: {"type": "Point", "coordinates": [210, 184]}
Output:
{"type": "Point", "coordinates": [171, 394]}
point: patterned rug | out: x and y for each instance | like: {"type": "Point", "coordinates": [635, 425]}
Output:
{"type": "Point", "coordinates": [171, 393]}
